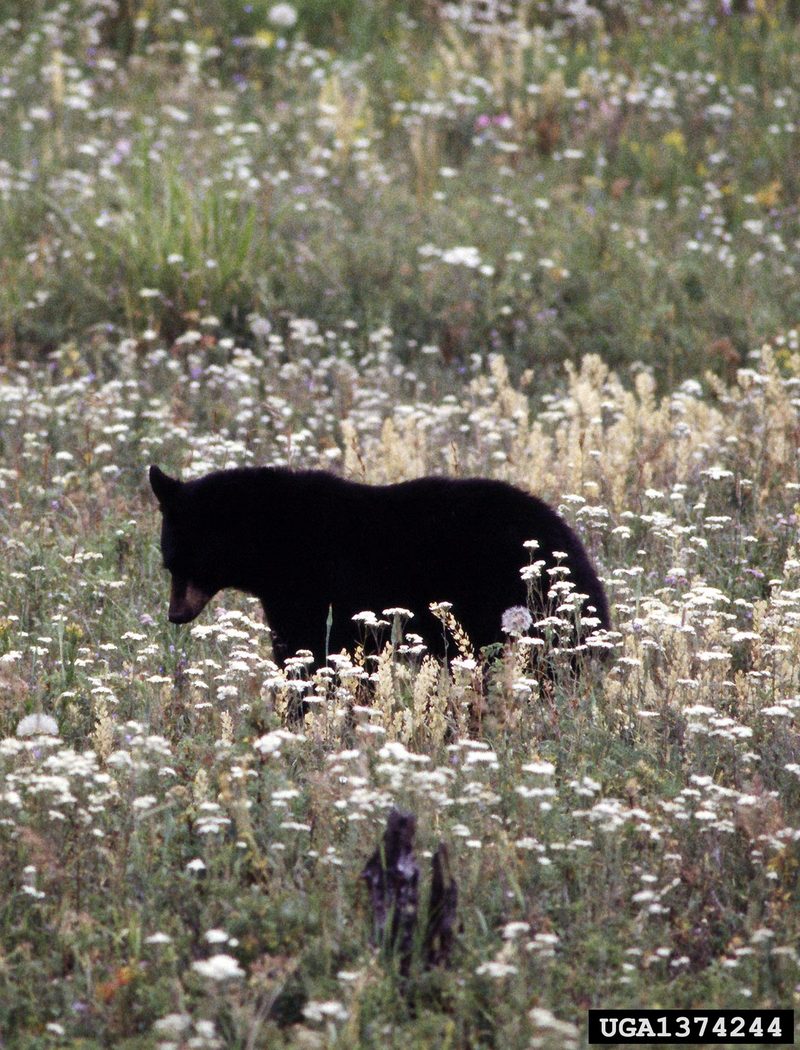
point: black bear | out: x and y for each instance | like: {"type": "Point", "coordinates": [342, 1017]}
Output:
{"type": "Point", "coordinates": [317, 549]}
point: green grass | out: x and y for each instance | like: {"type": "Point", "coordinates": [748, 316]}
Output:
{"type": "Point", "coordinates": [395, 244]}
{"type": "Point", "coordinates": [629, 191]}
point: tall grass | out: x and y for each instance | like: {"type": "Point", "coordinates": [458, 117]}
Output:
{"type": "Point", "coordinates": [626, 838]}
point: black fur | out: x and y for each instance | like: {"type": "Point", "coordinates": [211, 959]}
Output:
{"type": "Point", "coordinates": [305, 542]}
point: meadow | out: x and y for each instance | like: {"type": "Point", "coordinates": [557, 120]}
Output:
{"type": "Point", "coordinates": [552, 243]}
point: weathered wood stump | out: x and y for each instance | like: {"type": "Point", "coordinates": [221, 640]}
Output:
{"type": "Point", "coordinates": [392, 876]}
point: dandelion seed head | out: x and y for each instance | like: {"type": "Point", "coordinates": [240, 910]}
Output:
{"type": "Point", "coordinates": [516, 620]}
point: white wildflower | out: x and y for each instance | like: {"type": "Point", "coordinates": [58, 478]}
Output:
{"type": "Point", "coordinates": [462, 255]}
{"type": "Point", "coordinates": [328, 1010]}
{"type": "Point", "coordinates": [495, 969]}
{"type": "Point", "coordinates": [172, 1024]}
{"type": "Point", "coordinates": [283, 16]}
{"type": "Point", "coordinates": [216, 936]}
{"type": "Point", "coordinates": [512, 930]}
{"type": "Point", "coordinates": [543, 768]}
{"type": "Point", "coordinates": [220, 967]}
{"type": "Point", "coordinates": [158, 938]}
{"type": "Point", "coordinates": [37, 725]}
{"type": "Point", "coordinates": [271, 743]}
{"type": "Point", "coordinates": [144, 802]}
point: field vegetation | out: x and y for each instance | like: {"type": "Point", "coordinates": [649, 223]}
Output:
{"type": "Point", "coordinates": [552, 243]}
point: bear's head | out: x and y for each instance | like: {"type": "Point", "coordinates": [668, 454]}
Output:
{"type": "Point", "coordinates": [188, 555]}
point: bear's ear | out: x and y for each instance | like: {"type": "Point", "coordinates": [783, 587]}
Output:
{"type": "Point", "coordinates": [166, 489]}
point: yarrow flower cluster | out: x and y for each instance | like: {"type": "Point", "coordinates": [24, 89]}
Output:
{"type": "Point", "coordinates": [221, 967]}
{"type": "Point", "coordinates": [37, 725]}
{"type": "Point", "coordinates": [283, 16]}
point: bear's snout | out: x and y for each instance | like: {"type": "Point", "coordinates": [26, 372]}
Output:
{"type": "Point", "coordinates": [186, 601]}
